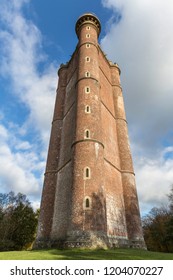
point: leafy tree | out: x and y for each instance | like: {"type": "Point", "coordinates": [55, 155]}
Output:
{"type": "Point", "coordinates": [18, 221]}
{"type": "Point", "coordinates": [158, 227]}
{"type": "Point", "coordinates": [154, 227]}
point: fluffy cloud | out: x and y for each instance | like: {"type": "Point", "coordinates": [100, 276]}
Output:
{"type": "Point", "coordinates": [142, 44]}
{"type": "Point", "coordinates": [23, 157]}
{"type": "Point", "coordinates": [22, 46]}
{"type": "Point", "coordinates": [16, 172]}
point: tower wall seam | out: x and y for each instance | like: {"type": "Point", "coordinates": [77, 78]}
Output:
{"type": "Point", "coordinates": [115, 118]}
{"type": "Point", "coordinates": [108, 61]}
{"type": "Point", "coordinates": [57, 170]}
{"type": "Point", "coordinates": [115, 85]}
{"type": "Point", "coordinates": [69, 109]}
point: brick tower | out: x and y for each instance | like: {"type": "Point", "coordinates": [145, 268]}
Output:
{"type": "Point", "coordinates": [89, 197]}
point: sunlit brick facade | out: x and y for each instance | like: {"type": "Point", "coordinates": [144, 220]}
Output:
{"type": "Point", "coordinates": [89, 197]}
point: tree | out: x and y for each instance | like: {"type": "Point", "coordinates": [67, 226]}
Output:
{"type": "Point", "coordinates": [154, 227]}
{"type": "Point", "coordinates": [170, 197]}
{"type": "Point", "coordinates": [18, 221]}
{"type": "Point", "coordinates": [158, 227]}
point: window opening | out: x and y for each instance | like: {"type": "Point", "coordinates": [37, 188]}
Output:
{"type": "Point", "coordinates": [87, 89]}
{"type": "Point", "coordinates": [87, 74]}
{"type": "Point", "coordinates": [87, 59]}
{"type": "Point", "coordinates": [87, 173]}
{"type": "Point", "coordinates": [87, 109]}
{"type": "Point", "coordinates": [87, 134]}
{"type": "Point", "coordinates": [87, 203]}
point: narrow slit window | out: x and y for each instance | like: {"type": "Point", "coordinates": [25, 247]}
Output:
{"type": "Point", "coordinates": [87, 46]}
{"type": "Point", "coordinates": [87, 203]}
{"type": "Point", "coordinates": [87, 173]}
{"type": "Point", "coordinates": [87, 74]}
{"type": "Point", "coordinates": [87, 109]}
{"type": "Point", "coordinates": [87, 89]}
{"type": "Point", "coordinates": [87, 134]}
{"type": "Point", "coordinates": [88, 28]}
{"type": "Point", "coordinates": [87, 35]}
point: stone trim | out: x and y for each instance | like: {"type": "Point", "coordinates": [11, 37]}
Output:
{"type": "Point", "coordinates": [118, 169]}
{"type": "Point", "coordinates": [57, 170]}
{"type": "Point", "coordinates": [87, 140]}
{"type": "Point", "coordinates": [65, 113]}
{"type": "Point", "coordinates": [111, 113]}
{"type": "Point", "coordinates": [115, 85]}
{"type": "Point", "coordinates": [91, 43]}
{"type": "Point", "coordinates": [83, 78]}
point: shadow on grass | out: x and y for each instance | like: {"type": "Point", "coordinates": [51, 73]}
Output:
{"type": "Point", "coordinates": [85, 254]}
{"type": "Point", "coordinates": [101, 254]}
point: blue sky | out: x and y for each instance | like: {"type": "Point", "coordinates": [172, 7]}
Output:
{"type": "Point", "coordinates": [37, 36]}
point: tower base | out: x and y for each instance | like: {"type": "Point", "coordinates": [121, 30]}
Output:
{"type": "Point", "coordinates": [90, 240]}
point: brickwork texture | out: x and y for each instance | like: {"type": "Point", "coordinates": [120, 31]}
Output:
{"type": "Point", "coordinates": [89, 195]}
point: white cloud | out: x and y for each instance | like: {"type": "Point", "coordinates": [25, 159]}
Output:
{"type": "Point", "coordinates": [142, 44]}
{"type": "Point", "coordinates": [23, 145]}
{"type": "Point", "coordinates": [22, 44]}
{"type": "Point", "coordinates": [16, 169]}
{"type": "Point", "coordinates": [22, 158]}
{"type": "Point", "coordinates": [153, 178]}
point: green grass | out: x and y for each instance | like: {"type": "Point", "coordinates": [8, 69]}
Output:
{"type": "Point", "coordinates": [79, 254]}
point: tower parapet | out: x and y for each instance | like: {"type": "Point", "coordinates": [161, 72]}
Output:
{"type": "Point", "coordinates": [88, 18]}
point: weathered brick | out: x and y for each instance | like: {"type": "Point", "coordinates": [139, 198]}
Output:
{"type": "Point", "coordinates": [89, 197]}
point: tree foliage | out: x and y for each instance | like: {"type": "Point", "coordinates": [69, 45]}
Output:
{"type": "Point", "coordinates": [158, 227]}
{"type": "Point", "coordinates": [18, 222]}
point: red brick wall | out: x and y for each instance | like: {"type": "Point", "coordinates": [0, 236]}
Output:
{"type": "Point", "coordinates": [113, 212]}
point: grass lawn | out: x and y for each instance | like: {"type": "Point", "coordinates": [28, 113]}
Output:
{"type": "Point", "coordinates": [79, 254]}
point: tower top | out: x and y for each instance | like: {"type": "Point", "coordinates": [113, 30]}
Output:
{"type": "Point", "coordinates": [88, 18]}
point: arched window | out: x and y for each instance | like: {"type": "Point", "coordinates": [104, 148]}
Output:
{"type": "Point", "coordinates": [87, 58]}
{"type": "Point", "coordinates": [87, 203]}
{"type": "Point", "coordinates": [87, 109]}
{"type": "Point", "coordinates": [87, 173]}
{"type": "Point", "coordinates": [87, 134]}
